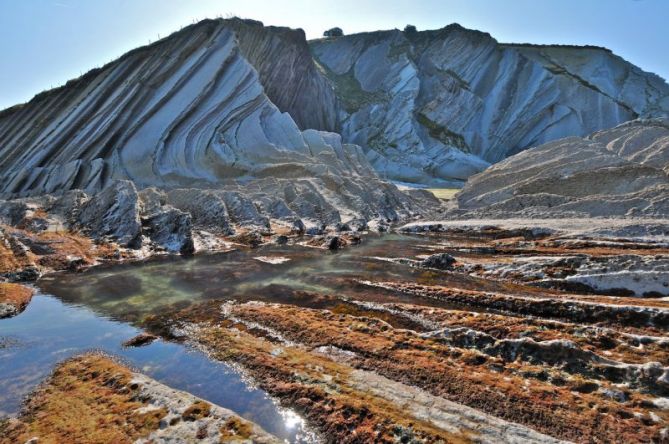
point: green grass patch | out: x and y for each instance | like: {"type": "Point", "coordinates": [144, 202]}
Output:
{"type": "Point", "coordinates": [444, 193]}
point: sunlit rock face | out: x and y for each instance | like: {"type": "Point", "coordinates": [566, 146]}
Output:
{"type": "Point", "coordinates": [622, 171]}
{"type": "Point", "coordinates": [188, 110]}
{"type": "Point", "coordinates": [438, 106]}
{"type": "Point", "coordinates": [199, 110]}
{"type": "Point", "coordinates": [232, 100]}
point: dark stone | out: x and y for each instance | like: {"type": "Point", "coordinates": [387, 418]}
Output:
{"type": "Point", "coordinates": [26, 275]}
{"type": "Point", "coordinates": [252, 238]}
{"type": "Point", "coordinates": [75, 263]}
{"type": "Point", "coordinates": [12, 212]}
{"type": "Point", "coordinates": [341, 226]}
{"type": "Point", "coordinates": [315, 231]}
{"type": "Point", "coordinates": [585, 387]}
{"type": "Point", "coordinates": [281, 240]}
{"type": "Point", "coordinates": [354, 239]}
{"type": "Point", "coordinates": [442, 261]}
{"type": "Point", "coordinates": [297, 227]}
{"type": "Point", "coordinates": [333, 243]}
{"type": "Point", "coordinates": [39, 248]}
{"type": "Point", "coordinates": [140, 340]}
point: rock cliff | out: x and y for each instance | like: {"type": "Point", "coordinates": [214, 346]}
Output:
{"type": "Point", "coordinates": [194, 111]}
{"type": "Point", "coordinates": [229, 101]}
{"type": "Point", "coordinates": [439, 106]}
{"type": "Point", "coordinates": [189, 110]}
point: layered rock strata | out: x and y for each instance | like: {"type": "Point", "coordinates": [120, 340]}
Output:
{"type": "Point", "coordinates": [623, 171]}
{"type": "Point", "coordinates": [188, 111]}
{"type": "Point", "coordinates": [92, 399]}
{"type": "Point", "coordinates": [438, 106]}
{"type": "Point", "coordinates": [232, 99]}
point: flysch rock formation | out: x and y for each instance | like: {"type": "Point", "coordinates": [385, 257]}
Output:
{"type": "Point", "coordinates": [622, 171]}
{"type": "Point", "coordinates": [186, 220]}
{"type": "Point", "coordinates": [107, 402]}
{"type": "Point", "coordinates": [187, 110]}
{"type": "Point", "coordinates": [231, 99]}
{"type": "Point", "coordinates": [193, 112]}
{"type": "Point", "coordinates": [438, 106]}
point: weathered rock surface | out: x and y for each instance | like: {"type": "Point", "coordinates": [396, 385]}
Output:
{"type": "Point", "coordinates": [290, 77]}
{"type": "Point", "coordinates": [232, 99]}
{"type": "Point", "coordinates": [74, 230]}
{"type": "Point", "coordinates": [442, 261]}
{"type": "Point", "coordinates": [188, 111]}
{"type": "Point", "coordinates": [618, 172]}
{"type": "Point", "coordinates": [14, 298]}
{"type": "Point", "coordinates": [188, 121]}
{"type": "Point", "coordinates": [171, 229]}
{"type": "Point", "coordinates": [114, 212]}
{"type": "Point", "coordinates": [438, 106]}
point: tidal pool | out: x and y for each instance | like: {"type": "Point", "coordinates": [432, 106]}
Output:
{"type": "Point", "coordinates": [271, 273]}
{"type": "Point", "coordinates": [50, 331]}
{"type": "Point", "coordinates": [98, 309]}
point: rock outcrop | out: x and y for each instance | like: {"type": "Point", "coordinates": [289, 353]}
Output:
{"type": "Point", "coordinates": [439, 106]}
{"type": "Point", "coordinates": [188, 111]}
{"type": "Point", "coordinates": [226, 100]}
{"type": "Point", "coordinates": [107, 402]}
{"type": "Point", "coordinates": [618, 172]}
{"type": "Point", "coordinates": [14, 298]}
{"type": "Point", "coordinates": [189, 120]}
{"type": "Point", "coordinates": [291, 79]}
{"type": "Point", "coordinates": [185, 220]}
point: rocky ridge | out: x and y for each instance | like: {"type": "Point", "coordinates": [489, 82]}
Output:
{"type": "Point", "coordinates": [438, 106]}
{"type": "Point", "coordinates": [114, 404]}
{"type": "Point", "coordinates": [188, 111]}
{"type": "Point", "coordinates": [622, 171]}
{"type": "Point", "coordinates": [76, 230]}
{"type": "Point", "coordinates": [226, 100]}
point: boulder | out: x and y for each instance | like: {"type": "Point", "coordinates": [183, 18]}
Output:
{"type": "Point", "coordinates": [441, 261]}
{"type": "Point", "coordinates": [206, 207]}
{"type": "Point", "coordinates": [113, 213]}
{"type": "Point", "coordinates": [170, 228]}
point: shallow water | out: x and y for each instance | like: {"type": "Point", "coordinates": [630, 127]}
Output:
{"type": "Point", "coordinates": [50, 331]}
{"type": "Point", "coordinates": [130, 291]}
{"type": "Point", "coordinates": [97, 309]}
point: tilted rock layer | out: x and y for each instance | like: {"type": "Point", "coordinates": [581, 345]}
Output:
{"type": "Point", "coordinates": [227, 100]}
{"type": "Point", "coordinates": [189, 110]}
{"type": "Point", "coordinates": [444, 104]}
{"type": "Point", "coordinates": [618, 172]}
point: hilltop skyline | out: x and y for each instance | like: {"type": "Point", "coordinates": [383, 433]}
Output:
{"type": "Point", "coordinates": [71, 37]}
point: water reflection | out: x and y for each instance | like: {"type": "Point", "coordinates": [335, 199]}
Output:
{"type": "Point", "coordinates": [97, 309]}
{"type": "Point", "coordinates": [50, 331]}
{"type": "Point", "coordinates": [129, 292]}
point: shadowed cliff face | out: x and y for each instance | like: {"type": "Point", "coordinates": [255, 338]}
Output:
{"type": "Point", "coordinates": [442, 105]}
{"type": "Point", "coordinates": [288, 73]}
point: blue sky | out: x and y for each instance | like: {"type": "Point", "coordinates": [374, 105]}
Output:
{"type": "Point", "coordinates": [43, 43]}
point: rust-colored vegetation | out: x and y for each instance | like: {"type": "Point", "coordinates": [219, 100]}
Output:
{"type": "Point", "coordinates": [16, 295]}
{"type": "Point", "coordinates": [86, 400]}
